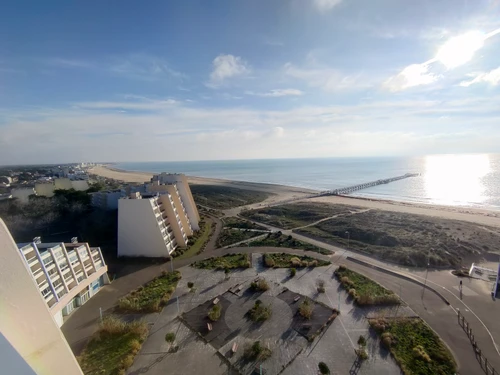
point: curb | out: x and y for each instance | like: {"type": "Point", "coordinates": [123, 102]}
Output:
{"type": "Point", "coordinates": [400, 275]}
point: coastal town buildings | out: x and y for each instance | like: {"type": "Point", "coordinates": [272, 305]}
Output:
{"type": "Point", "coordinates": [27, 325]}
{"type": "Point", "coordinates": [66, 274]}
{"type": "Point", "coordinates": [155, 223]}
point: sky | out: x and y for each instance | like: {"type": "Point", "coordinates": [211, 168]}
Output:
{"type": "Point", "coordinates": [233, 79]}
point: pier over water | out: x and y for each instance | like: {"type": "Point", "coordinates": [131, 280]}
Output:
{"type": "Point", "coordinates": [351, 189]}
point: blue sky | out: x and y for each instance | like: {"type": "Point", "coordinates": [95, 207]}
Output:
{"type": "Point", "coordinates": [200, 80]}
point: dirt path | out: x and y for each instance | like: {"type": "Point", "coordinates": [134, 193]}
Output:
{"type": "Point", "coordinates": [211, 244]}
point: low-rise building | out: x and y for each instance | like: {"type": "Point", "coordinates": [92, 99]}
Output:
{"type": "Point", "coordinates": [66, 274]}
{"type": "Point", "coordinates": [107, 199]}
{"type": "Point", "coordinates": [23, 194]}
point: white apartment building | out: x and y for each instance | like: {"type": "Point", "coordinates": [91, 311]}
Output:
{"type": "Point", "coordinates": [154, 224]}
{"type": "Point", "coordinates": [182, 186]}
{"type": "Point", "coordinates": [26, 322]}
{"type": "Point", "coordinates": [66, 274]}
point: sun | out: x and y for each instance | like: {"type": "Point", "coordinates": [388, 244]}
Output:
{"type": "Point", "coordinates": [460, 49]}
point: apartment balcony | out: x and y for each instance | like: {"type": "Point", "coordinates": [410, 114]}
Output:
{"type": "Point", "coordinates": [37, 273]}
{"type": "Point", "coordinates": [43, 284]}
{"type": "Point", "coordinates": [32, 260]}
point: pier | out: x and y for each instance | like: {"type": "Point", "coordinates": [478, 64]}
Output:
{"type": "Point", "coordinates": [351, 189]}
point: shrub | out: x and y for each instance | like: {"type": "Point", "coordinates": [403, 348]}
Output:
{"type": "Point", "coordinates": [362, 340]}
{"type": "Point", "coordinates": [170, 337]}
{"type": "Point", "coordinates": [313, 263]}
{"type": "Point", "coordinates": [190, 284]}
{"type": "Point", "coordinates": [420, 353]}
{"type": "Point", "coordinates": [296, 262]}
{"type": "Point", "coordinates": [320, 284]}
{"type": "Point", "coordinates": [362, 354]}
{"type": "Point", "coordinates": [135, 346]}
{"type": "Point", "coordinates": [352, 293]}
{"type": "Point", "coordinates": [323, 368]}
{"type": "Point", "coordinates": [387, 339]}
{"type": "Point", "coordinates": [215, 313]}
{"type": "Point", "coordinates": [305, 263]}
{"type": "Point", "coordinates": [293, 271]}
{"type": "Point", "coordinates": [259, 312]}
{"type": "Point", "coordinates": [269, 262]}
{"type": "Point", "coordinates": [306, 308]}
{"type": "Point", "coordinates": [259, 285]}
{"type": "Point", "coordinates": [256, 352]}
{"type": "Point", "coordinates": [112, 325]}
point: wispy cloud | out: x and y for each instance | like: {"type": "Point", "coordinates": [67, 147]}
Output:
{"type": "Point", "coordinates": [70, 63]}
{"type": "Point", "coordinates": [326, 5]}
{"type": "Point", "coordinates": [145, 67]}
{"type": "Point", "coordinates": [411, 76]}
{"type": "Point", "coordinates": [225, 67]}
{"type": "Point", "coordinates": [492, 77]}
{"type": "Point", "coordinates": [328, 79]}
{"type": "Point", "coordinates": [276, 93]}
{"type": "Point", "coordinates": [135, 66]}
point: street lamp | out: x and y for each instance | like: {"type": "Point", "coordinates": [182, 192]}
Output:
{"type": "Point", "coordinates": [426, 271]}
{"type": "Point", "coordinates": [348, 238]}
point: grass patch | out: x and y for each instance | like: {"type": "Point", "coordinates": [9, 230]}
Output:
{"type": "Point", "coordinates": [152, 296]}
{"type": "Point", "coordinates": [415, 346]}
{"type": "Point", "coordinates": [290, 216]}
{"type": "Point", "coordinates": [283, 260]}
{"type": "Point", "coordinates": [278, 239]}
{"type": "Point", "coordinates": [364, 290]}
{"type": "Point", "coordinates": [112, 349]}
{"type": "Point", "coordinates": [223, 197]}
{"type": "Point", "coordinates": [230, 236]}
{"type": "Point", "coordinates": [226, 262]}
{"type": "Point", "coordinates": [236, 222]}
{"type": "Point", "coordinates": [199, 240]}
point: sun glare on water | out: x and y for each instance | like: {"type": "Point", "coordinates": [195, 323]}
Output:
{"type": "Point", "coordinates": [456, 179]}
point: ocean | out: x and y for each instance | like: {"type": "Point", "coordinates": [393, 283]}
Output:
{"type": "Point", "coordinates": [455, 180]}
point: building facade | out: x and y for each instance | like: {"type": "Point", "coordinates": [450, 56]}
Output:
{"type": "Point", "coordinates": [26, 321]}
{"type": "Point", "coordinates": [181, 183]}
{"type": "Point", "coordinates": [66, 274]}
{"type": "Point", "coordinates": [152, 224]}
{"type": "Point", "coordinates": [107, 200]}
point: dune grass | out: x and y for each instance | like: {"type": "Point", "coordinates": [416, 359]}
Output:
{"type": "Point", "coordinates": [152, 296]}
{"type": "Point", "coordinates": [112, 349]}
{"type": "Point", "coordinates": [415, 346]}
{"type": "Point", "coordinates": [364, 290]}
{"type": "Point", "coordinates": [228, 261]}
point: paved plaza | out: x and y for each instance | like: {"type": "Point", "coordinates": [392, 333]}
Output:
{"type": "Point", "coordinates": [197, 351]}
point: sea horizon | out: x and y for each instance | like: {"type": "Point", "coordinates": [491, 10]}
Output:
{"type": "Point", "coordinates": [463, 180]}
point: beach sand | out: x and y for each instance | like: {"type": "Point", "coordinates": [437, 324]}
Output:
{"type": "Point", "coordinates": [283, 193]}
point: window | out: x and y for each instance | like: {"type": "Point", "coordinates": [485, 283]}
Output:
{"type": "Point", "coordinates": [46, 291]}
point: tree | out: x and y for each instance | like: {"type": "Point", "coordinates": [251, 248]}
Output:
{"type": "Point", "coordinates": [323, 368]}
{"type": "Point", "coordinates": [170, 337]}
{"type": "Point", "coordinates": [215, 313]}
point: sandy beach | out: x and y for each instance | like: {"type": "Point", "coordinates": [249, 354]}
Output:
{"type": "Point", "coordinates": [283, 193]}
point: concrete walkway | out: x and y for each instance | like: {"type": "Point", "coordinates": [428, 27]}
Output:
{"type": "Point", "coordinates": [83, 322]}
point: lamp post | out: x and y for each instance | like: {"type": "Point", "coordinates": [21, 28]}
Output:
{"type": "Point", "coordinates": [348, 238]}
{"type": "Point", "coordinates": [426, 271]}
